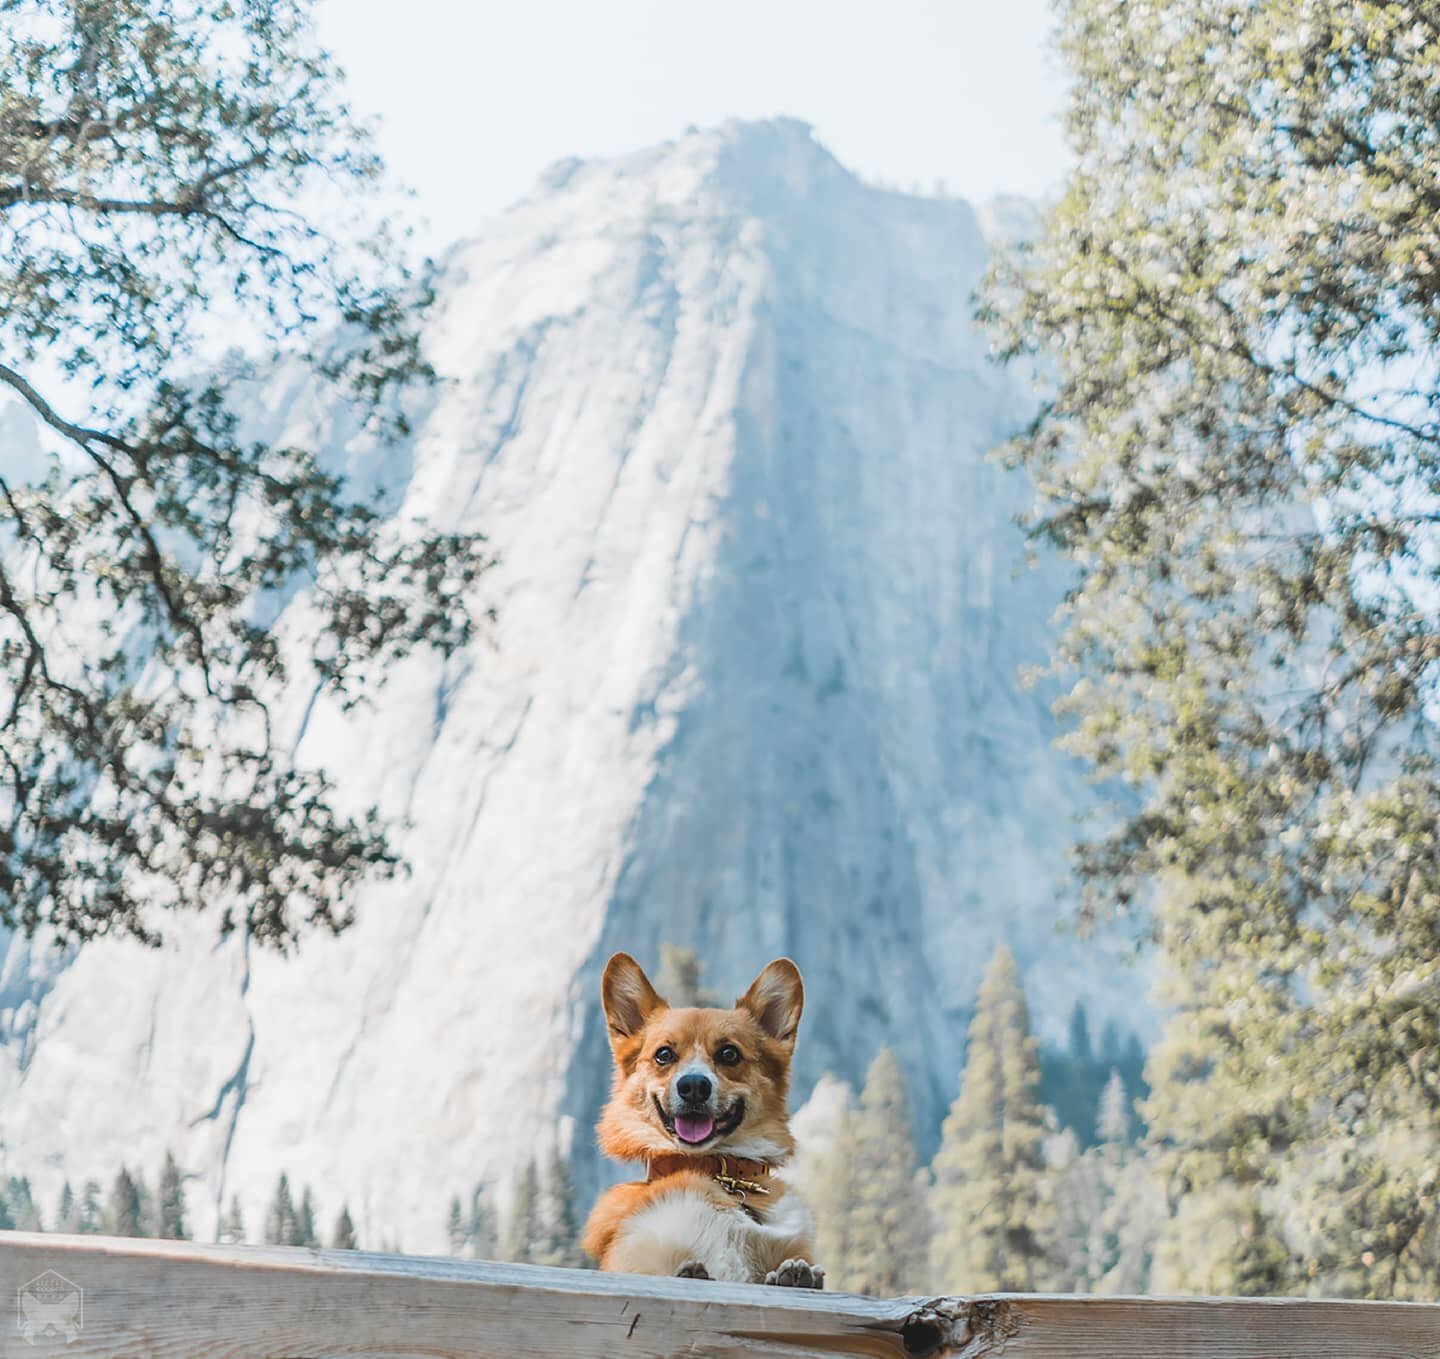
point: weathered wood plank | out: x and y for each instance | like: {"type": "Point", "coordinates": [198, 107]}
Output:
{"type": "Point", "coordinates": [169, 1300]}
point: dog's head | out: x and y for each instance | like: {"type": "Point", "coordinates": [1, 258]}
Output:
{"type": "Point", "coordinates": [700, 1080]}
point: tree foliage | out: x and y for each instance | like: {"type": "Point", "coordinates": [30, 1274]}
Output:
{"type": "Point", "coordinates": [559, 1229]}
{"type": "Point", "coordinates": [455, 1227]}
{"type": "Point", "coordinates": [481, 1231]}
{"type": "Point", "coordinates": [1235, 310]}
{"type": "Point", "coordinates": [523, 1229]}
{"type": "Point", "coordinates": [1105, 1209]}
{"type": "Point", "coordinates": [125, 1212]}
{"type": "Point", "coordinates": [306, 1233]}
{"type": "Point", "coordinates": [92, 1213]}
{"type": "Point", "coordinates": [872, 1227]}
{"type": "Point", "coordinates": [990, 1227]}
{"type": "Point", "coordinates": [67, 1215]}
{"type": "Point", "coordinates": [344, 1237]}
{"type": "Point", "coordinates": [680, 978]}
{"type": "Point", "coordinates": [164, 165]}
{"type": "Point", "coordinates": [232, 1228]}
{"type": "Point", "coordinates": [172, 1218]}
{"type": "Point", "coordinates": [282, 1222]}
{"type": "Point", "coordinates": [1073, 1078]}
{"type": "Point", "coordinates": [18, 1209]}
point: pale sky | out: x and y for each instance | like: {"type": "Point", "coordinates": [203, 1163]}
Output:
{"type": "Point", "coordinates": [477, 98]}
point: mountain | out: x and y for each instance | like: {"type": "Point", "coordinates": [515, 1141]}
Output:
{"type": "Point", "coordinates": [753, 689]}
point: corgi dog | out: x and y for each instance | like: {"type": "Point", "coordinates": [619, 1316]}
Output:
{"type": "Point", "coordinates": [700, 1100]}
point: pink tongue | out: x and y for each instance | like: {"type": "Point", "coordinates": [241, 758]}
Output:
{"type": "Point", "coordinates": [693, 1127]}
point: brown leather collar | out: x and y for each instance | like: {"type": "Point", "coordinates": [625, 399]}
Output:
{"type": "Point", "coordinates": [736, 1175]}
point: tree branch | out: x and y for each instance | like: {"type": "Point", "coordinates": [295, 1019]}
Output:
{"type": "Point", "coordinates": [84, 437]}
{"type": "Point", "coordinates": [77, 434]}
{"type": "Point", "coordinates": [190, 202]}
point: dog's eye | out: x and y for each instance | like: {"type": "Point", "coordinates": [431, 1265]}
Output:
{"type": "Point", "coordinates": [728, 1055]}
{"type": "Point", "coordinates": [664, 1056]}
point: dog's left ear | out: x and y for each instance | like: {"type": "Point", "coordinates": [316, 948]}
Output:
{"type": "Point", "coordinates": [776, 998]}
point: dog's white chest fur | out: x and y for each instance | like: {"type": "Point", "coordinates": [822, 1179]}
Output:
{"type": "Point", "coordinates": [731, 1244]}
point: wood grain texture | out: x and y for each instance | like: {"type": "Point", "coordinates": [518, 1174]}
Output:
{"type": "Point", "coordinates": [174, 1300]}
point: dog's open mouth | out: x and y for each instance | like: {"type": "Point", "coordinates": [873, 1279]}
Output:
{"type": "Point", "coordinates": [699, 1127]}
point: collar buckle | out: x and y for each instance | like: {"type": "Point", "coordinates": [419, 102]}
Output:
{"type": "Point", "coordinates": [733, 1184]}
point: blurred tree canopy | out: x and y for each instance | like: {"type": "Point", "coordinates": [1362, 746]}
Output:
{"type": "Point", "coordinates": [679, 978]}
{"type": "Point", "coordinates": [1235, 314]}
{"type": "Point", "coordinates": [164, 173]}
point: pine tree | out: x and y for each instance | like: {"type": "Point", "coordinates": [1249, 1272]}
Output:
{"type": "Point", "coordinates": [171, 1208]}
{"type": "Point", "coordinates": [1110, 1045]}
{"type": "Point", "coordinates": [23, 1206]}
{"type": "Point", "coordinates": [1216, 1182]}
{"type": "Point", "coordinates": [455, 1227]}
{"type": "Point", "coordinates": [1109, 1209]}
{"type": "Point", "coordinates": [1112, 1126]}
{"type": "Point", "coordinates": [871, 1220]}
{"type": "Point", "coordinates": [890, 1213]}
{"type": "Point", "coordinates": [149, 1206]}
{"type": "Point", "coordinates": [828, 1186]}
{"type": "Point", "coordinates": [1077, 1198]}
{"type": "Point", "coordinates": [481, 1236]}
{"type": "Point", "coordinates": [988, 1206]}
{"type": "Point", "coordinates": [232, 1230]}
{"type": "Point", "coordinates": [67, 1215]}
{"type": "Point", "coordinates": [1132, 1221]}
{"type": "Point", "coordinates": [17, 1206]}
{"type": "Point", "coordinates": [1080, 1047]}
{"type": "Point", "coordinates": [282, 1223]}
{"type": "Point", "coordinates": [125, 1214]}
{"type": "Point", "coordinates": [559, 1230]}
{"type": "Point", "coordinates": [305, 1233]}
{"type": "Point", "coordinates": [1131, 1067]}
{"type": "Point", "coordinates": [343, 1237]}
{"type": "Point", "coordinates": [522, 1227]}
{"type": "Point", "coordinates": [1111, 1157]}
{"type": "Point", "coordinates": [1235, 304]}
{"type": "Point", "coordinates": [92, 1214]}
{"type": "Point", "coordinates": [1071, 1079]}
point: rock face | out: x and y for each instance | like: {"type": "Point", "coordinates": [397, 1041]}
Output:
{"type": "Point", "coordinates": [753, 690]}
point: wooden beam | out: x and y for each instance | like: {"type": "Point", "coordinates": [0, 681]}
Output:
{"type": "Point", "coordinates": [175, 1300]}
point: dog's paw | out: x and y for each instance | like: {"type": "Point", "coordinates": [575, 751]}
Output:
{"type": "Point", "coordinates": [692, 1269]}
{"type": "Point", "coordinates": [797, 1273]}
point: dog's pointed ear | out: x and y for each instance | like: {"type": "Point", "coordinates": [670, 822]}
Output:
{"type": "Point", "coordinates": [628, 997]}
{"type": "Point", "coordinates": [776, 998]}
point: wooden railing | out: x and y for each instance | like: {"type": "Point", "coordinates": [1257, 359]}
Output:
{"type": "Point", "coordinates": [98, 1298]}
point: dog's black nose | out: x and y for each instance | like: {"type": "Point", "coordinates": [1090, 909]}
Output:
{"type": "Point", "coordinates": [693, 1089]}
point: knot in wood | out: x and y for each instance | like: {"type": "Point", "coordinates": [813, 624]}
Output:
{"type": "Point", "coordinates": [955, 1327]}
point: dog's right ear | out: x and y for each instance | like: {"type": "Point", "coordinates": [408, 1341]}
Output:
{"type": "Point", "coordinates": [628, 997]}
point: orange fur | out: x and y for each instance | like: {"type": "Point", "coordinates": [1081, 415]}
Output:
{"type": "Point", "coordinates": [623, 1201]}
{"type": "Point", "coordinates": [682, 1211]}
